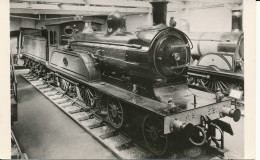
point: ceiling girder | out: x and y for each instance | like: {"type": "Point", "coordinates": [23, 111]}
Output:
{"type": "Point", "coordinates": [122, 3]}
{"type": "Point", "coordinates": [105, 7]}
{"type": "Point", "coordinates": [71, 9]}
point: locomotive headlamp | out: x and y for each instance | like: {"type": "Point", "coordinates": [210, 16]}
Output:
{"type": "Point", "coordinates": [177, 56]}
{"type": "Point", "coordinates": [179, 126]}
{"type": "Point", "coordinates": [233, 113]}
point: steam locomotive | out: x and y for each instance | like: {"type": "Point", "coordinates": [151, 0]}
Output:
{"type": "Point", "coordinates": [219, 59]}
{"type": "Point", "coordinates": [137, 79]}
{"type": "Point", "coordinates": [220, 64]}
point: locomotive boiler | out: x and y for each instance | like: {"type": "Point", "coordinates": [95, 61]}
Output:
{"type": "Point", "coordinates": [216, 42]}
{"type": "Point", "coordinates": [135, 79]}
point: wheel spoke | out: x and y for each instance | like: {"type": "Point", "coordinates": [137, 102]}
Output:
{"type": "Point", "coordinates": [215, 86]}
{"type": "Point", "coordinates": [211, 85]}
{"type": "Point", "coordinates": [206, 82]}
{"type": "Point", "coordinates": [221, 86]}
{"type": "Point", "coordinates": [225, 85]}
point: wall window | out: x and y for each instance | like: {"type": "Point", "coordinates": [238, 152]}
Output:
{"type": "Point", "coordinates": [53, 37]}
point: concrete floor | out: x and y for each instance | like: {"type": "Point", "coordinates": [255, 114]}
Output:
{"type": "Point", "coordinates": [44, 132]}
{"type": "Point", "coordinates": [235, 143]}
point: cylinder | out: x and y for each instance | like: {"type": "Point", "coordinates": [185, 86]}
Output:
{"type": "Point", "coordinates": [159, 11]}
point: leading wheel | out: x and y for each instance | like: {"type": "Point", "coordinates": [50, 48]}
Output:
{"type": "Point", "coordinates": [115, 113]}
{"type": "Point", "coordinates": [157, 142]}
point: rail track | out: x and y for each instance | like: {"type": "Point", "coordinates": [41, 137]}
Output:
{"type": "Point", "coordinates": [121, 144]}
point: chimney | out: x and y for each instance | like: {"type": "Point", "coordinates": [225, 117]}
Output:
{"type": "Point", "coordinates": [236, 21]}
{"type": "Point", "coordinates": [159, 11]}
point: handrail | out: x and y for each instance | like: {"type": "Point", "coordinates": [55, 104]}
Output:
{"type": "Point", "coordinates": [109, 43]}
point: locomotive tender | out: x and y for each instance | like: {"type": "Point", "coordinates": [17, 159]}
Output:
{"type": "Point", "coordinates": [137, 79]}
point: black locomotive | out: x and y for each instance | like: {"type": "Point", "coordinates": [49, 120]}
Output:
{"type": "Point", "coordinates": [132, 78]}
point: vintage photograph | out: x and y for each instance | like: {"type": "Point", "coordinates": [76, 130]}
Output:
{"type": "Point", "coordinates": [127, 79]}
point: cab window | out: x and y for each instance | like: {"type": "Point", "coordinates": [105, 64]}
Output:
{"type": "Point", "coordinates": [51, 38]}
